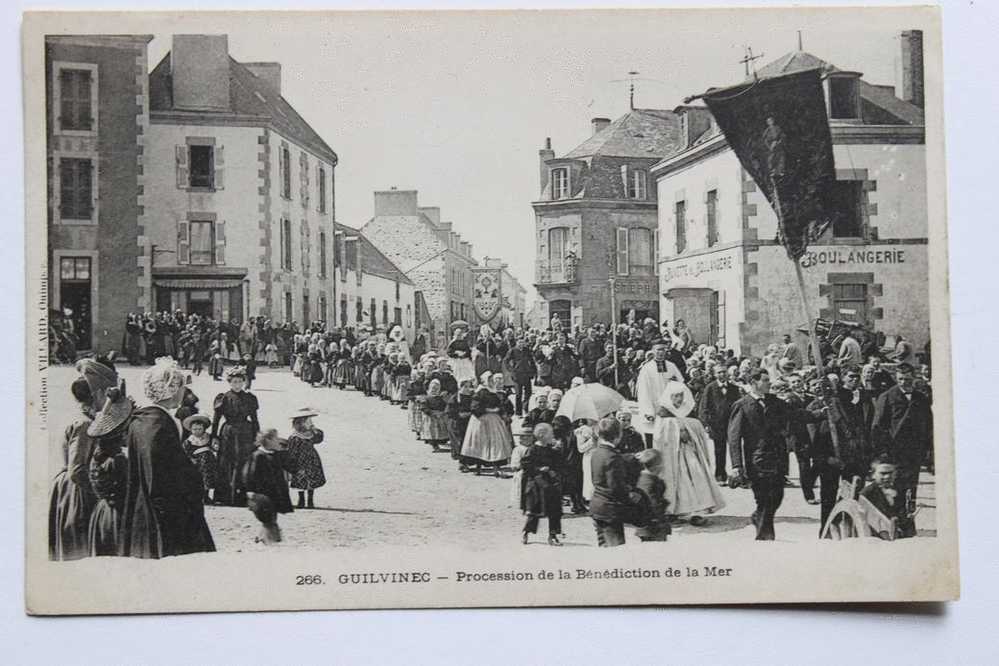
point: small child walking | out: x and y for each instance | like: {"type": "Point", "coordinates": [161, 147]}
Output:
{"type": "Point", "coordinates": [652, 488]}
{"type": "Point", "coordinates": [202, 449]}
{"type": "Point", "coordinates": [307, 474]}
{"type": "Point", "coordinates": [266, 485]}
{"type": "Point", "coordinates": [271, 354]}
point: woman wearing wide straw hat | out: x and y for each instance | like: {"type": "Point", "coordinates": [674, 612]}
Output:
{"type": "Point", "coordinates": [71, 499]}
{"type": "Point", "coordinates": [109, 471]}
{"type": "Point", "coordinates": [163, 513]}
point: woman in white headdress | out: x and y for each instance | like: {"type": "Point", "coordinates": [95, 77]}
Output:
{"type": "Point", "coordinates": [691, 489]}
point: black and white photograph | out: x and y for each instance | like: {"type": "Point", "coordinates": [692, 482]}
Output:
{"type": "Point", "coordinates": [429, 309]}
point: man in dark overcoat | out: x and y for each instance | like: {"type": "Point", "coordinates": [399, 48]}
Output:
{"type": "Point", "coordinates": [713, 411]}
{"type": "Point", "coordinates": [903, 427]}
{"type": "Point", "coordinates": [614, 500]}
{"type": "Point", "coordinates": [757, 443]}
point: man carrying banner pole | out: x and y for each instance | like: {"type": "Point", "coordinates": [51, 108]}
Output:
{"type": "Point", "coordinates": [777, 127]}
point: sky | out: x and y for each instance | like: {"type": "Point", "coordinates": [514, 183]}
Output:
{"type": "Point", "coordinates": [457, 105]}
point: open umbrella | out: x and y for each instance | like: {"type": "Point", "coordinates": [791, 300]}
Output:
{"type": "Point", "coordinates": [589, 401]}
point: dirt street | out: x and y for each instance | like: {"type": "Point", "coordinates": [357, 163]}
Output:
{"type": "Point", "coordinates": [386, 488]}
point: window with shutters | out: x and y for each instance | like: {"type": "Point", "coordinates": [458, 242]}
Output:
{"type": "Point", "coordinates": [640, 252]}
{"type": "Point", "coordinates": [373, 313]}
{"type": "Point", "coordinates": [75, 102]}
{"type": "Point", "coordinates": [622, 251]}
{"type": "Point", "coordinates": [343, 310]}
{"type": "Point", "coordinates": [359, 312]}
{"type": "Point", "coordinates": [201, 166]}
{"type": "Point", "coordinates": [303, 179]}
{"type": "Point", "coordinates": [322, 308]}
{"type": "Point", "coordinates": [321, 184]}
{"type": "Point", "coordinates": [289, 312]}
{"type": "Point", "coordinates": [322, 254]}
{"type": "Point", "coordinates": [711, 206]}
{"type": "Point", "coordinates": [285, 167]}
{"type": "Point", "coordinates": [558, 245]}
{"type": "Point", "coordinates": [303, 232]}
{"type": "Point", "coordinates": [76, 188]}
{"type": "Point", "coordinates": [385, 309]}
{"type": "Point", "coordinates": [680, 216]}
{"type": "Point", "coordinates": [286, 244]}
{"type": "Point", "coordinates": [202, 243]}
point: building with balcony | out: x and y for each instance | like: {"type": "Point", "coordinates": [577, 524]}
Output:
{"type": "Point", "coordinates": [596, 219]}
{"type": "Point", "coordinates": [721, 268]}
{"type": "Point", "coordinates": [97, 116]}
{"type": "Point", "coordinates": [239, 191]}
{"type": "Point", "coordinates": [429, 252]}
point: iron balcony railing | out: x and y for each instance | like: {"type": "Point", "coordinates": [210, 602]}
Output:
{"type": "Point", "coordinates": [557, 272]}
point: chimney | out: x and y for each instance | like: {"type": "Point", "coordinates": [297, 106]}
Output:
{"type": "Point", "coordinates": [396, 202]}
{"type": "Point", "coordinates": [433, 213]}
{"type": "Point", "coordinates": [544, 155]}
{"type": "Point", "coordinates": [269, 72]}
{"type": "Point", "coordinates": [199, 67]}
{"type": "Point", "coordinates": [599, 124]}
{"type": "Point", "coordinates": [694, 121]}
{"type": "Point", "coordinates": [911, 80]}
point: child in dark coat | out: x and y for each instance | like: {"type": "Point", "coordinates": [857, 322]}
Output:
{"type": "Point", "coordinates": [266, 485]}
{"type": "Point", "coordinates": [655, 524]}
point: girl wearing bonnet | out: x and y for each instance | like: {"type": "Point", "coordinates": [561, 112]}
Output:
{"type": "Point", "coordinates": [691, 489]}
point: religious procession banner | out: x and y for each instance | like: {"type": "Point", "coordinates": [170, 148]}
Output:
{"type": "Point", "coordinates": [486, 293]}
{"type": "Point", "coordinates": [778, 128]}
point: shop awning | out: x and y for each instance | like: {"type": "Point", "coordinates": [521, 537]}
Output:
{"type": "Point", "coordinates": [197, 283]}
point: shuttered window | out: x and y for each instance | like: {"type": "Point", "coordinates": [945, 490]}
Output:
{"type": "Point", "coordinates": [75, 99]}
{"type": "Point", "coordinates": [76, 191]}
{"type": "Point", "coordinates": [622, 251]}
{"type": "Point", "coordinates": [680, 215]}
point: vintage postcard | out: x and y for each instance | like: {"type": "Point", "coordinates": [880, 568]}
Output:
{"type": "Point", "coordinates": [513, 308]}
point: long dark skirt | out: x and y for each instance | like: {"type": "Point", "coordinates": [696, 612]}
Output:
{"type": "Point", "coordinates": [70, 506]}
{"type": "Point", "coordinates": [105, 523]}
{"type": "Point", "coordinates": [235, 447]}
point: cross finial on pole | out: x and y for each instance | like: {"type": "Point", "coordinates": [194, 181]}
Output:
{"type": "Point", "coordinates": [631, 89]}
{"type": "Point", "coordinates": [748, 59]}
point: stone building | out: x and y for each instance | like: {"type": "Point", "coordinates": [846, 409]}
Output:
{"type": "Point", "coordinates": [97, 117]}
{"type": "Point", "coordinates": [721, 268]}
{"type": "Point", "coordinates": [596, 219]}
{"type": "Point", "coordinates": [368, 288]}
{"type": "Point", "coordinates": [428, 251]}
{"type": "Point", "coordinates": [239, 191]}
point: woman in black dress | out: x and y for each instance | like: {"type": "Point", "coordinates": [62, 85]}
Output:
{"type": "Point", "coordinates": [236, 426]}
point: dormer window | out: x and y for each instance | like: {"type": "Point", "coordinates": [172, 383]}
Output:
{"type": "Point", "coordinates": [560, 183]}
{"type": "Point", "coordinates": [637, 184]}
{"type": "Point", "coordinates": [843, 95]}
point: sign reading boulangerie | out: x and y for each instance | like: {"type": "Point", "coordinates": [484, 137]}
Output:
{"type": "Point", "coordinates": [299, 441]}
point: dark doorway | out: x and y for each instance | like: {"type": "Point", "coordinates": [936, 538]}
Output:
{"type": "Point", "coordinates": [75, 295]}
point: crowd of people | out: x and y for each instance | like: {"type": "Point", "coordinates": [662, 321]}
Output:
{"type": "Point", "coordinates": [691, 420]}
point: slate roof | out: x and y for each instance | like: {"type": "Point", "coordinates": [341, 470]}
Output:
{"type": "Point", "coordinates": [638, 133]}
{"type": "Point", "coordinates": [372, 260]}
{"type": "Point", "coordinates": [249, 95]}
{"type": "Point", "coordinates": [904, 113]}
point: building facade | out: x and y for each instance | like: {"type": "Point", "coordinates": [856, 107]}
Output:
{"type": "Point", "coordinates": [429, 252]}
{"type": "Point", "coordinates": [239, 192]}
{"type": "Point", "coordinates": [97, 104]}
{"type": "Point", "coordinates": [370, 290]}
{"type": "Point", "coordinates": [596, 220]}
{"type": "Point", "coordinates": [723, 272]}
